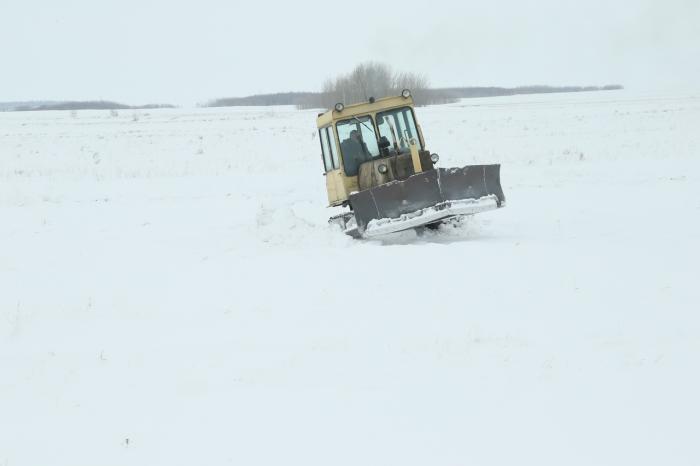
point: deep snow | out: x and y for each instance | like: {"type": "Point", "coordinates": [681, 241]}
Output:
{"type": "Point", "coordinates": [172, 293]}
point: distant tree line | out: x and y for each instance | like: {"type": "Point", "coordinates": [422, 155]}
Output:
{"type": "Point", "coordinates": [378, 80]}
{"type": "Point", "coordinates": [300, 99]}
{"type": "Point", "coordinates": [11, 106]}
{"type": "Point", "coordinates": [452, 94]}
{"type": "Point", "coordinates": [82, 105]}
{"type": "Point", "coordinates": [366, 80]}
{"type": "Point", "coordinates": [422, 97]}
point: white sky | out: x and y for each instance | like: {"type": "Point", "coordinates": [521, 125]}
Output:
{"type": "Point", "coordinates": [141, 51]}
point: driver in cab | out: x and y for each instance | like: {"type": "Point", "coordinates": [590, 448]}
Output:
{"type": "Point", "coordinates": [355, 152]}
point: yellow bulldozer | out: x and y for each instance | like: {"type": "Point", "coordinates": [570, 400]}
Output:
{"type": "Point", "coordinates": [376, 164]}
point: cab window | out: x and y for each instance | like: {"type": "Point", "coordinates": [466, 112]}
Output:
{"type": "Point", "coordinates": [325, 150]}
{"type": "Point", "coordinates": [358, 142]}
{"type": "Point", "coordinates": [334, 149]}
{"type": "Point", "coordinates": [399, 127]}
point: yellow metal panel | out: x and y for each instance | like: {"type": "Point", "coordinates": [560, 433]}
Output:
{"type": "Point", "coordinates": [415, 156]}
{"type": "Point", "coordinates": [330, 188]}
{"type": "Point", "coordinates": [350, 185]}
{"type": "Point", "coordinates": [420, 133]}
{"type": "Point", "coordinates": [324, 119]}
{"type": "Point", "coordinates": [336, 186]}
{"type": "Point", "coordinates": [339, 191]}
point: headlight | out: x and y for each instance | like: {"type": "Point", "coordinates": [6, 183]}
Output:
{"type": "Point", "coordinates": [382, 169]}
{"type": "Point", "coordinates": [339, 107]}
{"type": "Point", "coordinates": [434, 158]}
{"type": "Point", "coordinates": [406, 93]}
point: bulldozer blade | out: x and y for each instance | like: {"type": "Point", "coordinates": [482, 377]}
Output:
{"type": "Point", "coordinates": [426, 198]}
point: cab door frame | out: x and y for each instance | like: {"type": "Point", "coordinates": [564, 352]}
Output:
{"type": "Point", "coordinates": [330, 151]}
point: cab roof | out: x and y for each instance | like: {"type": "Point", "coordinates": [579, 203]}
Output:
{"type": "Point", "coordinates": [363, 108]}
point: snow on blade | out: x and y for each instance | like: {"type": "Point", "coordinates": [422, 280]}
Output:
{"type": "Point", "coordinates": [432, 214]}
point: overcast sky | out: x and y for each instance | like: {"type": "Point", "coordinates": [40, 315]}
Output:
{"type": "Point", "coordinates": [140, 51]}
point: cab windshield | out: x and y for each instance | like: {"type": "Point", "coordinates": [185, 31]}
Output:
{"type": "Point", "coordinates": [358, 142]}
{"type": "Point", "coordinates": [398, 127]}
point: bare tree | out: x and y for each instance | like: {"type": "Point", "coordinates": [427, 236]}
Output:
{"type": "Point", "coordinates": [417, 83]}
{"type": "Point", "coordinates": [372, 79]}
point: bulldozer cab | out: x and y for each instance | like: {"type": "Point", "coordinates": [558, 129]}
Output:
{"type": "Point", "coordinates": [362, 134]}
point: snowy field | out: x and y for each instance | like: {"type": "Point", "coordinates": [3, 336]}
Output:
{"type": "Point", "coordinates": [171, 293]}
